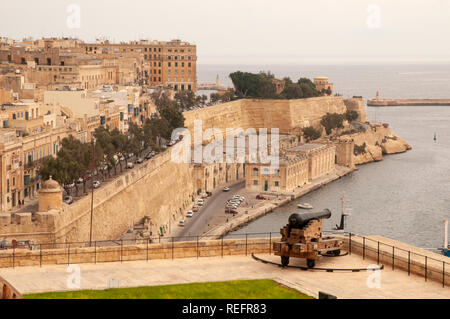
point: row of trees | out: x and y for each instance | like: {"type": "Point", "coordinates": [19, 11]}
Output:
{"type": "Point", "coordinates": [74, 159]}
{"type": "Point", "coordinates": [261, 85]}
{"type": "Point", "coordinates": [330, 121]}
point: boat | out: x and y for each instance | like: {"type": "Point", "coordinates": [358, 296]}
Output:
{"type": "Point", "coordinates": [305, 206]}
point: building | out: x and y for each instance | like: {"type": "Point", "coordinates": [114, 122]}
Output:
{"type": "Point", "coordinates": [321, 158]}
{"type": "Point", "coordinates": [321, 83]}
{"type": "Point", "coordinates": [291, 173]}
{"type": "Point", "coordinates": [298, 166]}
{"type": "Point", "coordinates": [11, 169]}
{"type": "Point", "coordinates": [167, 64]}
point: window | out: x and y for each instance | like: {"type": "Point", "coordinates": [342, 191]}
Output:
{"type": "Point", "coordinates": [255, 182]}
{"type": "Point", "coordinates": [276, 183]}
{"type": "Point", "coordinates": [255, 172]}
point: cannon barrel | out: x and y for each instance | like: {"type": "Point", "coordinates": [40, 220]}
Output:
{"type": "Point", "coordinates": [297, 220]}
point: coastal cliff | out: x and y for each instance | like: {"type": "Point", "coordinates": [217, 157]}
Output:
{"type": "Point", "coordinates": [373, 141]}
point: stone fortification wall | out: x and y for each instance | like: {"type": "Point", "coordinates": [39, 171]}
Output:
{"type": "Point", "coordinates": [286, 115]}
{"type": "Point", "coordinates": [158, 188]}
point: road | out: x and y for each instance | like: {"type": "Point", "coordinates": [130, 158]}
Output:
{"type": "Point", "coordinates": [209, 213]}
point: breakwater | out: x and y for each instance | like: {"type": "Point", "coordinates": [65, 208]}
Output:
{"type": "Point", "coordinates": [407, 102]}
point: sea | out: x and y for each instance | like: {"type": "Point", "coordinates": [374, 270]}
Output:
{"type": "Point", "coordinates": [405, 196]}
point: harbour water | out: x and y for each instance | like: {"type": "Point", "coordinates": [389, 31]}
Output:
{"type": "Point", "coordinates": [406, 196]}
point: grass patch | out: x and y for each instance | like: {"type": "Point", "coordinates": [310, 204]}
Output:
{"type": "Point", "coordinates": [238, 289]}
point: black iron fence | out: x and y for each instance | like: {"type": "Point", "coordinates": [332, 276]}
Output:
{"type": "Point", "coordinates": [410, 261]}
{"type": "Point", "coordinates": [208, 246]}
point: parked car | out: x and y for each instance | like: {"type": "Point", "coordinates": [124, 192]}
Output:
{"type": "Point", "coordinates": [130, 165]}
{"type": "Point", "coordinates": [181, 223]}
{"type": "Point", "coordinates": [195, 208]}
{"type": "Point", "coordinates": [205, 195]}
{"type": "Point", "coordinates": [96, 184]}
{"type": "Point", "coordinates": [226, 189]}
{"type": "Point", "coordinates": [139, 160]}
{"type": "Point", "coordinates": [260, 197]}
{"type": "Point", "coordinates": [79, 181]}
{"type": "Point", "coordinates": [209, 194]}
{"type": "Point", "coordinates": [148, 156]}
{"type": "Point", "coordinates": [122, 158]}
{"type": "Point", "coordinates": [200, 202]}
{"type": "Point", "coordinates": [232, 206]}
{"type": "Point", "coordinates": [230, 211]}
{"type": "Point", "coordinates": [71, 185]}
{"type": "Point", "coordinates": [68, 200]}
{"type": "Point", "coordinates": [190, 213]}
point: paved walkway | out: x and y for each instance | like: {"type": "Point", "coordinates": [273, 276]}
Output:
{"type": "Point", "coordinates": [394, 284]}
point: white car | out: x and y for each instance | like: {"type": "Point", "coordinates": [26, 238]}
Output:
{"type": "Point", "coordinates": [195, 208]}
{"type": "Point", "coordinates": [190, 213]}
{"type": "Point", "coordinates": [226, 189]}
{"type": "Point", "coordinates": [200, 202]}
{"type": "Point", "coordinates": [96, 184]}
{"type": "Point", "coordinates": [181, 223]}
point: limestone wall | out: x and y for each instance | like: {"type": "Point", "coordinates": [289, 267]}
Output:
{"type": "Point", "coordinates": [158, 188]}
{"type": "Point", "coordinates": [286, 115]}
{"type": "Point", "coordinates": [144, 250]}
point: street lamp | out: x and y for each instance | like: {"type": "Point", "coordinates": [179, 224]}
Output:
{"type": "Point", "coordinates": [92, 189]}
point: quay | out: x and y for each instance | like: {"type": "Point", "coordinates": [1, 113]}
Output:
{"type": "Point", "coordinates": [269, 205]}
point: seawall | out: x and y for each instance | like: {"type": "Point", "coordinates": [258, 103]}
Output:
{"type": "Point", "coordinates": [407, 102]}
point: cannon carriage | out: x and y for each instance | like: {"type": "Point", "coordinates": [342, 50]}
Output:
{"type": "Point", "coordinates": [302, 238]}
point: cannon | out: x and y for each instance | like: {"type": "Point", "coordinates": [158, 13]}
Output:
{"type": "Point", "coordinates": [302, 238]}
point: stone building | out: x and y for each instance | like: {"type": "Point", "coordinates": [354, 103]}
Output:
{"type": "Point", "coordinates": [11, 169]}
{"type": "Point", "coordinates": [50, 196]}
{"type": "Point", "coordinates": [321, 83]}
{"type": "Point", "coordinates": [291, 173]}
{"type": "Point", "coordinates": [168, 64]}
{"type": "Point", "coordinates": [298, 166]}
{"type": "Point", "coordinates": [321, 158]}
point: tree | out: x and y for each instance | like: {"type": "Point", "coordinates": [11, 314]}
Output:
{"type": "Point", "coordinates": [173, 116]}
{"type": "Point", "coordinates": [308, 87]}
{"type": "Point", "coordinates": [253, 85]}
{"type": "Point", "coordinates": [292, 91]}
{"type": "Point", "coordinates": [311, 133]}
{"type": "Point", "coordinates": [351, 115]}
{"type": "Point", "coordinates": [136, 141]}
{"type": "Point", "coordinates": [331, 121]}
{"type": "Point", "coordinates": [119, 141]}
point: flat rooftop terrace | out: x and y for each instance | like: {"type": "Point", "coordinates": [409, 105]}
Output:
{"type": "Point", "coordinates": [393, 284]}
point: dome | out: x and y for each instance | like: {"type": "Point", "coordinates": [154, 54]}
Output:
{"type": "Point", "coordinates": [50, 184]}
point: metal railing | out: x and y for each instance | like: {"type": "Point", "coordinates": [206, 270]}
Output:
{"type": "Point", "coordinates": [410, 261]}
{"type": "Point", "coordinates": [198, 246]}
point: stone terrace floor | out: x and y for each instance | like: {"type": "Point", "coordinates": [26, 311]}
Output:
{"type": "Point", "coordinates": [394, 284]}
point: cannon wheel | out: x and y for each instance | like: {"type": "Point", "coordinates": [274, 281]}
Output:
{"type": "Point", "coordinates": [310, 263]}
{"type": "Point", "coordinates": [284, 261]}
{"type": "Point", "coordinates": [336, 252]}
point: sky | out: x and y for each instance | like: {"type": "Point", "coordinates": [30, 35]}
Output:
{"type": "Point", "coordinates": [251, 31]}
